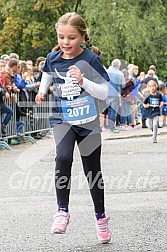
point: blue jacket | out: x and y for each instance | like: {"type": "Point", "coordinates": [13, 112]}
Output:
{"type": "Point", "coordinates": [19, 82]}
{"type": "Point", "coordinates": [135, 87]}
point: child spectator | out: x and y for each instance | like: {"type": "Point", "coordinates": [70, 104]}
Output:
{"type": "Point", "coordinates": [153, 102]}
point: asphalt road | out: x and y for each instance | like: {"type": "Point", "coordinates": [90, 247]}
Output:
{"type": "Point", "coordinates": [135, 174]}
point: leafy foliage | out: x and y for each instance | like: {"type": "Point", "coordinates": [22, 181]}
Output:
{"type": "Point", "coordinates": [27, 26]}
{"type": "Point", "coordinates": [134, 31]}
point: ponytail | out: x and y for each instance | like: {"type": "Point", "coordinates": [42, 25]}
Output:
{"type": "Point", "coordinates": [93, 48]}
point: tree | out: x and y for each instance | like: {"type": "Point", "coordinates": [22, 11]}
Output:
{"type": "Point", "coordinates": [134, 31]}
{"type": "Point", "coordinates": [129, 30]}
{"type": "Point", "coordinates": [28, 26]}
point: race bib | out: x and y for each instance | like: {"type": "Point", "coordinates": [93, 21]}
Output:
{"type": "Point", "coordinates": [80, 110]}
{"type": "Point", "coordinates": [154, 102]}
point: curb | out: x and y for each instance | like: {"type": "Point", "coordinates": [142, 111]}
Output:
{"type": "Point", "coordinates": [133, 136]}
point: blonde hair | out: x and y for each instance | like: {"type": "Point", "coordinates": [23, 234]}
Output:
{"type": "Point", "coordinates": [75, 20]}
{"type": "Point", "coordinates": [153, 82]}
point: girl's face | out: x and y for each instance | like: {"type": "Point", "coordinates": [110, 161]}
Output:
{"type": "Point", "coordinates": [152, 88]}
{"type": "Point", "coordinates": [69, 40]}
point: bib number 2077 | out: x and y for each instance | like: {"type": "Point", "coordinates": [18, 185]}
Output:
{"type": "Point", "coordinates": [78, 111]}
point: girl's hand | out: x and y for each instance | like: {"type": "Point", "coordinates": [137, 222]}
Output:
{"type": "Point", "coordinates": [40, 97]}
{"type": "Point", "coordinates": [147, 105]}
{"type": "Point", "coordinates": [75, 72]}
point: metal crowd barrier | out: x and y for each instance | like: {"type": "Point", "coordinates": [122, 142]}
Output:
{"type": "Point", "coordinates": [36, 122]}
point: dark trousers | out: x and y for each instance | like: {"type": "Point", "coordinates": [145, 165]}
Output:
{"type": "Point", "coordinates": [20, 125]}
{"type": "Point", "coordinates": [90, 151]}
{"type": "Point", "coordinates": [9, 113]}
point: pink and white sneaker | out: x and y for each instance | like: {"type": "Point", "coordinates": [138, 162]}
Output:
{"type": "Point", "coordinates": [103, 232]}
{"type": "Point", "coordinates": [60, 222]}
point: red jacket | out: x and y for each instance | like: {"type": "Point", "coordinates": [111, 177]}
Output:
{"type": "Point", "coordinates": [126, 94]}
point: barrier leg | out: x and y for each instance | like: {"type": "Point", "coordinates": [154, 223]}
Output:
{"type": "Point", "coordinates": [29, 138]}
{"type": "Point", "coordinates": [5, 145]}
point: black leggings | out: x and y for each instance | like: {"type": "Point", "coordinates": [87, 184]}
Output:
{"type": "Point", "coordinates": [90, 150]}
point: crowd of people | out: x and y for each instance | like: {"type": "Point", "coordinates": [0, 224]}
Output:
{"type": "Point", "coordinates": [19, 81]}
{"type": "Point", "coordinates": [124, 105]}
{"type": "Point", "coordinates": [128, 90]}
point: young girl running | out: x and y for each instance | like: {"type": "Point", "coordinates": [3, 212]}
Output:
{"type": "Point", "coordinates": [80, 82]}
{"type": "Point", "coordinates": [153, 102]}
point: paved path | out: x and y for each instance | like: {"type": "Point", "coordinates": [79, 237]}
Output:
{"type": "Point", "coordinates": [135, 174]}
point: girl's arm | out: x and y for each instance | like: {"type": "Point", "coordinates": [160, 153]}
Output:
{"type": "Point", "coordinates": [99, 91]}
{"type": "Point", "coordinates": [45, 83]}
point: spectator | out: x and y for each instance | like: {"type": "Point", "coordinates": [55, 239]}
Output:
{"type": "Point", "coordinates": [14, 56]}
{"type": "Point", "coordinates": [4, 110]}
{"type": "Point", "coordinates": [150, 76]}
{"type": "Point", "coordinates": [116, 83]}
{"type": "Point", "coordinates": [39, 59]}
{"type": "Point", "coordinates": [126, 99]}
{"type": "Point", "coordinates": [3, 93]}
{"type": "Point", "coordinates": [23, 67]}
{"type": "Point", "coordinates": [6, 59]}
{"type": "Point", "coordinates": [2, 72]}
{"type": "Point", "coordinates": [10, 75]}
{"type": "Point", "coordinates": [29, 63]}
{"type": "Point", "coordinates": [152, 67]}
{"type": "Point", "coordinates": [133, 72]}
{"type": "Point", "coordinates": [19, 123]}
{"type": "Point", "coordinates": [40, 67]}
